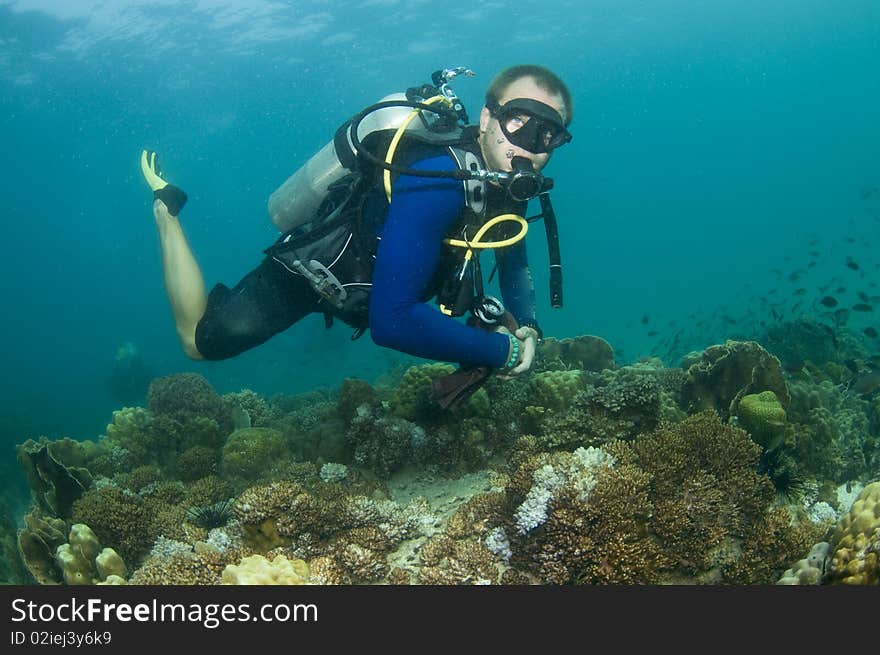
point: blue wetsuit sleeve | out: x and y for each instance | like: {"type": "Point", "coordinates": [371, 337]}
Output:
{"type": "Point", "coordinates": [515, 280]}
{"type": "Point", "coordinates": [421, 211]}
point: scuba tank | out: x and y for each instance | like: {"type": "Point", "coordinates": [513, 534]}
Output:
{"type": "Point", "coordinates": [296, 201]}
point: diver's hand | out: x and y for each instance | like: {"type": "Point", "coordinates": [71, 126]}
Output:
{"type": "Point", "coordinates": [522, 366]}
{"type": "Point", "coordinates": [528, 338]}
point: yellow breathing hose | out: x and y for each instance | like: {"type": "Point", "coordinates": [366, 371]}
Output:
{"type": "Point", "coordinates": [398, 135]}
{"type": "Point", "coordinates": [478, 244]}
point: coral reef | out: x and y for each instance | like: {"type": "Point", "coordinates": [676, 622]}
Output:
{"type": "Point", "coordinates": [257, 570]}
{"type": "Point", "coordinates": [250, 452]}
{"type": "Point", "coordinates": [554, 390]}
{"type": "Point", "coordinates": [682, 502]}
{"type": "Point", "coordinates": [809, 570]}
{"type": "Point", "coordinates": [257, 409]}
{"type": "Point", "coordinates": [726, 470]}
{"type": "Point", "coordinates": [55, 486]}
{"type": "Point", "coordinates": [855, 545]}
{"type": "Point", "coordinates": [585, 352]}
{"type": "Point", "coordinates": [83, 561]}
{"type": "Point", "coordinates": [412, 399]}
{"type": "Point", "coordinates": [762, 416]}
{"type": "Point", "coordinates": [725, 373]}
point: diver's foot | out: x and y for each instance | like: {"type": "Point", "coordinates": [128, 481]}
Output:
{"type": "Point", "coordinates": [173, 197]}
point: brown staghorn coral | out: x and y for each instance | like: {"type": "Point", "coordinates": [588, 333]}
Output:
{"type": "Point", "coordinates": [448, 561]}
{"type": "Point", "coordinates": [202, 566]}
{"type": "Point", "coordinates": [683, 503]}
{"type": "Point", "coordinates": [121, 520]}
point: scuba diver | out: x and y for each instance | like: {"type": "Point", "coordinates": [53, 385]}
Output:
{"type": "Point", "coordinates": [389, 215]}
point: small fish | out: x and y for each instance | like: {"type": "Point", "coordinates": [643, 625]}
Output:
{"type": "Point", "coordinates": [849, 239]}
{"type": "Point", "coordinates": [864, 296]}
{"type": "Point", "coordinates": [829, 301]}
{"type": "Point", "coordinates": [240, 418]}
{"type": "Point", "coordinates": [862, 307]}
{"type": "Point", "coordinates": [728, 319]}
{"type": "Point", "coordinates": [814, 253]}
{"type": "Point", "coordinates": [870, 332]}
{"type": "Point", "coordinates": [653, 333]}
{"type": "Point", "coordinates": [851, 263]}
{"type": "Point", "coordinates": [802, 291]}
{"type": "Point", "coordinates": [840, 289]}
{"type": "Point", "coordinates": [645, 319]}
{"type": "Point", "coordinates": [866, 384]}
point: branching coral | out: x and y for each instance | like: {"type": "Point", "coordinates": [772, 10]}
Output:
{"type": "Point", "coordinates": [684, 501]}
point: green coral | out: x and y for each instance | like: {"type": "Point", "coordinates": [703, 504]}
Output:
{"type": "Point", "coordinates": [120, 519]}
{"type": "Point", "coordinates": [554, 390]}
{"type": "Point", "coordinates": [185, 395]}
{"type": "Point", "coordinates": [197, 462]}
{"type": "Point", "coordinates": [250, 452]}
{"type": "Point", "coordinates": [763, 416]}
{"type": "Point", "coordinates": [412, 398]}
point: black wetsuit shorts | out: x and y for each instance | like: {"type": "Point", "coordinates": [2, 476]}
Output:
{"type": "Point", "coordinates": [266, 301]}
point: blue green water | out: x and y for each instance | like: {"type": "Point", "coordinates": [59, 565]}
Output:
{"type": "Point", "coordinates": [715, 145]}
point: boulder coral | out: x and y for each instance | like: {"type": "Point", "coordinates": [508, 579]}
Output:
{"type": "Point", "coordinates": [257, 570]}
{"type": "Point", "coordinates": [412, 399]}
{"type": "Point", "coordinates": [762, 416]}
{"type": "Point", "coordinates": [855, 545]}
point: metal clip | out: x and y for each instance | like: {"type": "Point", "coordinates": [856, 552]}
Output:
{"type": "Point", "coordinates": [323, 281]}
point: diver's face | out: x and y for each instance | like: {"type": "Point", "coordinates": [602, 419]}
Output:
{"type": "Point", "coordinates": [497, 150]}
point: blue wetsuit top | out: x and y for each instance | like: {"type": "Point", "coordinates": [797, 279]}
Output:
{"type": "Point", "coordinates": [419, 217]}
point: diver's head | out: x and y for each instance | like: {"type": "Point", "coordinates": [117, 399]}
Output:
{"type": "Point", "coordinates": [526, 114]}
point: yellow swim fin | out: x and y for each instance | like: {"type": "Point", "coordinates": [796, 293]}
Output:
{"type": "Point", "coordinates": [173, 197]}
{"type": "Point", "coordinates": [150, 169]}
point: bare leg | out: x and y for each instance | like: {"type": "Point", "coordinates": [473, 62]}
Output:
{"type": "Point", "coordinates": [183, 278]}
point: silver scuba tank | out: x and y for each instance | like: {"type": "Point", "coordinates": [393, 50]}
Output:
{"type": "Point", "coordinates": [296, 201]}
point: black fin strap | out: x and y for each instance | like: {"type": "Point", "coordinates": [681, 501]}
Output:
{"type": "Point", "coordinates": [173, 197]}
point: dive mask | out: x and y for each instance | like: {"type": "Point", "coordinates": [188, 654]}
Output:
{"type": "Point", "coordinates": [531, 125]}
